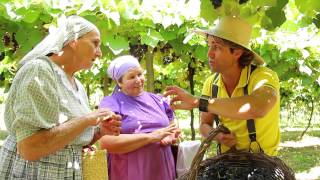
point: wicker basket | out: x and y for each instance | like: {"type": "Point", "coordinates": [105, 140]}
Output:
{"type": "Point", "coordinates": [94, 165]}
{"type": "Point", "coordinates": [237, 165]}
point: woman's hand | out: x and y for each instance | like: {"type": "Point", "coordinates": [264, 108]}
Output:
{"type": "Point", "coordinates": [181, 98]}
{"type": "Point", "coordinates": [160, 134]}
{"type": "Point", "coordinates": [95, 117]}
{"type": "Point", "coordinates": [109, 122]}
{"type": "Point", "coordinates": [172, 138]}
{"type": "Point", "coordinates": [111, 126]}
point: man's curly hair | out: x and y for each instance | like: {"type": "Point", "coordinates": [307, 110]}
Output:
{"type": "Point", "coordinates": [247, 56]}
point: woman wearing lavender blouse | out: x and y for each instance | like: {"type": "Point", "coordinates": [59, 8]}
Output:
{"type": "Point", "coordinates": [142, 151]}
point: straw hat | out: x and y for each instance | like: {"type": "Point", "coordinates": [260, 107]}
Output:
{"type": "Point", "coordinates": [235, 30]}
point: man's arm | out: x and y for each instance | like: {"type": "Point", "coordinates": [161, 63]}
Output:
{"type": "Point", "coordinates": [206, 123]}
{"type": "Point", "coordinates": [255, 105]}
{"type": "Point", "coordinates": [252, 106]}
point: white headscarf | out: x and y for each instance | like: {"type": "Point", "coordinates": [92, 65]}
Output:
{"type": "Point", "coordinates": [68, 29]}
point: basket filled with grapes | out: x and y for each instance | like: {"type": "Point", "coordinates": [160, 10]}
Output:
{"type": "Point", "coordinates": [235, 164]}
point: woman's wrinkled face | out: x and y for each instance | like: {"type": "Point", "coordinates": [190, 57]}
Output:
{"type": "Point", "coordinates": [132, 82]}
{"type": "Point", "coordinates": [87, 50]}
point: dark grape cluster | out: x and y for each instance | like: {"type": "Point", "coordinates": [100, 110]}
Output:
{"type": "Point", "coordinates": [6, 39]}
{"type": "Point", "coordinates": [2, 78]}
{"type": "Point", "coordinates": [242, 1]}
{"type": "Point", "coordinates": [155, 49]}
{"type": "Point", "coordinates": [167, 55]}
{"type": "Point", "coordinates": [243, 171]}
{"type": "Point", "coordinates": [216, 3]}
{"type": "Point", "coordinates": [165, 48]}
{"type": "Point", "coordinates": [138, 50]}
{"type": "Point", "coordinates": [2, 55]}
{"type": "Point", "coordinates": [157, 86]}
{"type": "Point", "coordinates": [15, 43]}
{"type": "Point", "coordinates": [169, 58]}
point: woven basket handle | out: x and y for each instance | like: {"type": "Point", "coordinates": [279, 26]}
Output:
{"type": "Point", "coordinates": [203, 148]}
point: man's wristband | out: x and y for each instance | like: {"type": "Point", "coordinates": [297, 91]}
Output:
{"type": "Point", "coordinates": [203, 104]}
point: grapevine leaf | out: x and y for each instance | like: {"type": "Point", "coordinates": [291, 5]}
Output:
{"type": "Point", "coordinates": [207, 11]}
{"type": "Point", "coordinates": [316, 20]}
{"type": "Point", "coordinates": [282, 3]}
{"type": "Point", "coordinates": [276, 15]}
{"type": "Point", "coordinates": [28, 15]}
{"type": "Point", "coordinates": [308, 7]}
{"type": "Point", "coordinates": [201, 53]}
{"type": "Point", "coordinates": [262, 3]}
{"type": "Point", "coordinates": [266, 23]}
{"type": "Point", "coordinates": [117, 44]}
{"type": "Point", "coordinates": [151, 38]}
{"type": "Point", "coordinates": [147, 23]}
{"type": "Point", "coordinates": [168, 34]}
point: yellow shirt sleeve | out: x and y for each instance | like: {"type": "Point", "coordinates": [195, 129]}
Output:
{"type": "Point", "coordinates": [263, 76]}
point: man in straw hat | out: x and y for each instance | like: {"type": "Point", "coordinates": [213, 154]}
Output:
{"type": "Point", "coordinates": [247, 94]}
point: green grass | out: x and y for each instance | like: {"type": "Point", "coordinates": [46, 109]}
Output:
{"type": "Point", "coordinates": [295, 135]}
{"type": "Point", "coordinates": [301, 159]}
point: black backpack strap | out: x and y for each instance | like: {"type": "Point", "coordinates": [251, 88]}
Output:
{"type": "Point", "coordinates": [253, 67]}
{"type": "Point", "coordinates": [214, 94]}
{"type": "Point", "coordinates": [250, 122]}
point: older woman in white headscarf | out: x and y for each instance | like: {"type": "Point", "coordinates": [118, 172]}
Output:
{"type": "Point", "coordinates": [47, 111]}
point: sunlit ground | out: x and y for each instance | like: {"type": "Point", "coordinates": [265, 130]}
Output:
{"type": "Point", "coordinates": [306, 141]}
{"type": "Point", "coordinates": [302, 155]}
{"type": "Point", "coordinates": [313, 173]}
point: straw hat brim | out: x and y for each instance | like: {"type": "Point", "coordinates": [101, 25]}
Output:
{"type": "Point", "coordinates": [258, 60]}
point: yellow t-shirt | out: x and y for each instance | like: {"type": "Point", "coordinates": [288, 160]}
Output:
{"type": "Point", "coordinates": [267, 128]}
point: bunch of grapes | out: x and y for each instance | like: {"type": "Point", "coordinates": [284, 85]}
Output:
{"type": "Point", "coordinates": [138, 50]}
{"type": "Point", "coordinates": [244, 170]}
{"type": "Point", "coordinates": [165, 48]}
{"type": "Point", "coordinates": [2, 78]}
{"type": "Point", "coordinates": [157, 86]}
{"type": "Point", "coordinates": [15, 43]}
{"type": "Point", "coordinates": [242, 1]}
{"type": "Point", "coordinates": [6, 39]}
{"type": "Point", "coordinates": [217, 3]}
{"type": "Point", "coordinates": [168, 57]}
{"type": "Point", "coordinates": [167, 60]}
{"type": "Point", "coordinates": [2, 55]}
